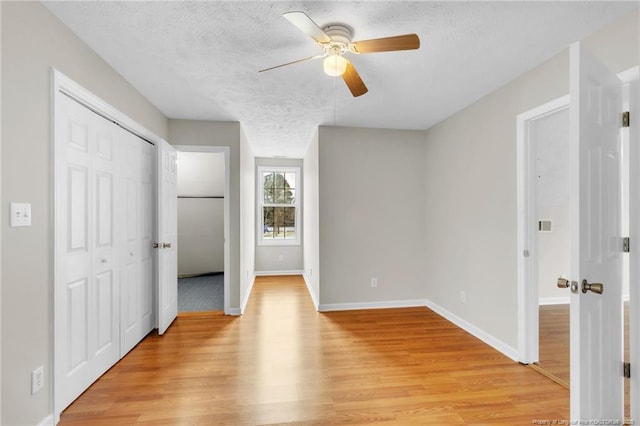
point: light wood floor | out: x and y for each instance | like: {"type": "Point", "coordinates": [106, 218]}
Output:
{"type": "Point", "coordinates": [283, 362]}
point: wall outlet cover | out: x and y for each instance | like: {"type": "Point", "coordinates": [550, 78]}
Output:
{"type": "Point", "coordinates": [20, 214]}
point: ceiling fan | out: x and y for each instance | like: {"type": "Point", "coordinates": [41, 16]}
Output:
{"type": "Point", "coordinates": [335, 41]}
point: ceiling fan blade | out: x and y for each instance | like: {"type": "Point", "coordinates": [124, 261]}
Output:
{"type": "Point", "coordinates": [387, 44]}
{"type": "Point", "coordinates": [353, 81]}
{"type": "Point", "coordinates": [292, 62]}
{"type": "Point", "coordinates": [307, 26]}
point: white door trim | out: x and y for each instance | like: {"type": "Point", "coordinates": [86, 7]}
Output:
{"type": "Point", "coordinates": [227, 209]}
{"type": "Point", "coordinates": [527, 206]}
{"type": "Point", "coordinates": [61, 85]}
{"type": "Point", "coordinates": [527, 240]}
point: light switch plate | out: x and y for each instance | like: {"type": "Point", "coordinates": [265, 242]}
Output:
{"type": "Point", "coordinates": [20, 214]}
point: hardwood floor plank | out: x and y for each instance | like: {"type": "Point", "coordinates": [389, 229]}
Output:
{"type": "Point", "coordinates": [283, 362]}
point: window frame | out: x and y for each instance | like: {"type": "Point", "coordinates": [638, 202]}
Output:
{"type": "Point", "coordinates": [261, 241]}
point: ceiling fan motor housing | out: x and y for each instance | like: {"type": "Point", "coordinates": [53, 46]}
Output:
{"type": "Point", "coordinates": [340, 36]}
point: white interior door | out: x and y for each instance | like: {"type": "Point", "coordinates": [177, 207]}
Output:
{"type": "Point", "coordinates": [130, 282]}
{"type": "Point", "coordinates": [136, 314]}
{"type": "Point", "coordinates": [596, 319]}
{"type": "Point", "coordinates": [167, 269]}
{"type": "Point", "coordinates": [86, 263]}
{"type": "Point", "coordinates": [634, 253]}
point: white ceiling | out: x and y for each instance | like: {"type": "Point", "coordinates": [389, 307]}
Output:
{"type": "Point", "coordinates": [200, 60]}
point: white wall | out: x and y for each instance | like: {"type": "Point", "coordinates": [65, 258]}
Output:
{"type": "Point", "coordinates": [310, 221]}
{"type": "Point", "coordinates": [550, 135]}
{"type": "Point", "coordinates": [33, 41]}
{"type": "Point", "coordinates": [372, 209]}
{"type": "Point", "coordinates": [248, 217]}
{"type": "Point", "coordinates": [200, 219]}
{"type": "Point", "coordinates": [471, 188]}
{"type": "Point", "coordinates": [275, 258]}
{"type": "Point", "coordinates": [200, 236]}
{"type": "Point", "coordinates": [219, 133]}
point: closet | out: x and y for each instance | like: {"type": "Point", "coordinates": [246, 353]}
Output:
{"type": "Point", "coordinates": [104, 261]}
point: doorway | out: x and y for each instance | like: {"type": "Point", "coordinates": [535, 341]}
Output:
{"type": "Point", "coordinates": [544, 230]}
{"type": "Point", "coordinates": [203, 206]}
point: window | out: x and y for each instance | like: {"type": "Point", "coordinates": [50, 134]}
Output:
{"type": "Point", "coordinates": [279, 201]}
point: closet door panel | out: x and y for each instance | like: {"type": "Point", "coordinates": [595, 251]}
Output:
{"type": "Point", "coordinates": [146, 238]}
{"type": "Point", "coordinates": [86, 299]}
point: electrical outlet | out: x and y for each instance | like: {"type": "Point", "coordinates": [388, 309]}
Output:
{"type": "Point", "coordinates": [374, 282]}
{"type": "Point", "coordinates": [463, 297]}
{"type": "Point", "coordinates": [37, 379]}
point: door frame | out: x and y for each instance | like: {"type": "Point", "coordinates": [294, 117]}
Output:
{"type": "Point", "coordinates": [528, 321]}
{"type": "Point", "coordinates": [527, 254]}
{"type": "Point", "coordinates": [61, 85]}
{"type": "Point", "coordinates": [226, 151]}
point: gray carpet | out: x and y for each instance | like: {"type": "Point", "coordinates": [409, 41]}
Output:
{"type": "Point", "coordinates": [201, 293]}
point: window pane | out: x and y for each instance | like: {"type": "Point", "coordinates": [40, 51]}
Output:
{"type": "Point", "coordinates": [268, 195]}
{"type": "Point", "coordinates": [268, 180]}
{"type": "Point", "coordinates": [290, 178]}
{"type": "Point", "coordinates": [290, 196]}
{"type": "Point", "coordinates": [289, 233]}
{"type": "Point", "coordinates": [278, 196]}
{"type": "Point", "coordinates": [268, 214]}
{"type": "Point", "coordinates": [289, 216]}
{"type": "Point", "coordinates": [279, 180]}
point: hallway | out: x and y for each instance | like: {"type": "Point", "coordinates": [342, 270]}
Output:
{"type": "Point", "coordinates": [283, 362]}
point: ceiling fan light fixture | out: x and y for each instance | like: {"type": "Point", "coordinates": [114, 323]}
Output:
{"type": "Point", "coordinates": [335, 65]}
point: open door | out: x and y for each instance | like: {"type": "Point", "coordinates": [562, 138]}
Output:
{"type": "Point", "coordinates": [167, 231]}
{"type": "Point", "coordinates": [634, 252]}
{"type": "Point", "coordinates": [596, 241]}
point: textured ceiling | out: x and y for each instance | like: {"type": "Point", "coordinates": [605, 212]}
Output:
{"type": "Point", "coordinates": [199, 60]}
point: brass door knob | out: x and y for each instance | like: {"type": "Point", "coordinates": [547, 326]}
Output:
{"type": "Point", "coordinates": [595, 287]}
{"type": "Point", "coordinates": [166, 245]}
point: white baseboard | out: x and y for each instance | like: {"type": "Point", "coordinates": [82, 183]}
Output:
{"type": "Point", "coordinates": [307, 281]}
{"type": "Point", "coordinates": [490, 340]}
{"type": "Point", "coordinates": [553, 301]}
{"type": "Point", "coordinates": [327, 307]}
{"type": "Point", "coordinates": [275, 273]}
{"type": "Point", "coordinates": [47, 421]}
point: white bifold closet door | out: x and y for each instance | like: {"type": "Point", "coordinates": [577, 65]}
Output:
{"type": "Point", "coordinates": [136, 318]}
{"type": "Point", "coordinates": [103, 260]}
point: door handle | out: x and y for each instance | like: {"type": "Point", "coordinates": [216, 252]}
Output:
{"type": "Point", "coordinates": [166, 245]}
{"type": "Point", "coordinates": [156, 245]}
{"type": "Point", "coordinates": [595, 287]}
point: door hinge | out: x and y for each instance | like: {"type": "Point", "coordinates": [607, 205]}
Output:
{"type": "Point", "coordinates": [626, 370]}
{"type": "Point", "coordinates": [625, 245]}
{"type": "Point", "coordinates": [625, 119]}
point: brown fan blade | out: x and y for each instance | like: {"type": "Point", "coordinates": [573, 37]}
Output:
{"type": "Point", "coordinates": [307, 26]}
{"type": "Point", "coordinates": [388, 44]}
{"type": "Point", "coordinates": [353, 81]}
{"type": "Point", "coordinates": [292, 62]}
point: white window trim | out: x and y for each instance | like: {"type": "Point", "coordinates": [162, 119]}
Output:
{"type": "Point", "coordinates": [260, 214]}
